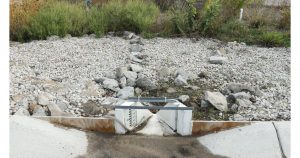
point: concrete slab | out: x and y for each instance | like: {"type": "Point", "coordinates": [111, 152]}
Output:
{"type": "Point", "coordinates": [258, 140]}
{"type": "Point", "coordinates": [284, 135]}
{"type": "Point", "coordinates": [34, 138]}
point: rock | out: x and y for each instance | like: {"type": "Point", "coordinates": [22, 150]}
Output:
{"type": "Point", "coordinates": [180, 81]}
{"type": "Point", "coordinates": [44, 98]}
{"type": "Point", "coordinates": [120, 71]}
{"type": "Point", "coordinates": [183, 98]}
{"type": "Point", "coordinates": [204, 104]}
{"type": "Point", "coordinates": [242, 95]}
{"type": "Point", "coordinates": [238, 87]}
{"type": "Point", "coordinates": [53, 38]}
{"type": "Point", "coordinates": [164, 73]}
{"type": "Point", "coordinates": [22, 112]}
{"type": "Point", "coordinates": [217, 60]}
{"type": "Point", "coordinates": [171, 90]}
{"type": "Point", "coordinates": [54, 109]}
{"type": "Point", "coordinates": [145, 83]}
{"type": "Point", "coordinates": [110, 75]}
{"type": "Point", "coordinates": [182, 73]}
{"type": "Point", "coordinates": [135, 59]}
{"type": "Point", "coordinates": [111, 84]}
{"type": "Point", "coordinates": [126, 92]}
{"type": "Point", "coordinates": [123, 82]}
{"type": "Point", "coordinates": [39, 111]}
{"type": "Point", "coordinates": [136, 41]}
{"type": "Point", "coordinates": [93, 108]}
{"type": "Point", "coordinates": [244, 102]}
{"type": "Point", "coordinates": [217, 99]}
{"type": "Point", "coordinates": [135, 48]}
{"type": "Point", "coordinates": [138, 91]}
{"type": "Point", "coordinates": [110, 101]}
{"type": "Point", "coordinates": [92, 90]}
{"type": "Point", "coordinates": [135, 68]}
{"type": "Point", "coordinates": [62, 104]}
{"type": "Point", "coordinates": [234, 107]}
{"type": "Point", "coordinates": [130, 78]}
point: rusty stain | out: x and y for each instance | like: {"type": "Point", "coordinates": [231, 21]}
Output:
{"type": "Point", "coordinates": [105, 125]}
{"type": "Point", "coordinates": [206, 127]}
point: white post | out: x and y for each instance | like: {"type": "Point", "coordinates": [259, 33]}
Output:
{"type": "Point", "coordinates": [241, 14]}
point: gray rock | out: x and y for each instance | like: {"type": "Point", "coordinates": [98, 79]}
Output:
{"type": "Point", "coordinates": [217, 99]}
{"type": "Point", "coordinates": [110, 75]}
{"type": "Point", "coordinates": [136, 41]}
{"type": "Point", "coordinates": [135, 68]}
{"type": "Point", "coordinates": [111, 84]}
{"type": "Point", "coordinates": [39, 111]}
{"type": "Point", "coordinates": [44, 98]}
{"type": "Point", "coordinates": [234, 107]}
{"type": "Point", "coordinates": [22, 112]}
{"type": "Point", "coordinates": [217, 60]}
{"type": "Point", "coordinates": [120, 71]}
{"type": "Point", "coordinates": [242, 95]}
{"type": "Point", "coordinates": [123, 82]}
{"type": "Point", "coordinates": [130, 78]}
{"type": "Point", "coordinates": [135, 48]}
{"type": "Point", "coordinates": [244, 102]}
{"type": "Point", "coordinates": [182, 73]}
{"type": "Point", "coordinates": [94, 108]}
{"type": "Point", "coordinates": [183, 98]}
{"type": "Point", "coordinates": [171, 90]}
{"type": "Point", "coordinates": [145, 83]}
{"type": "Point", "coordinates": [238, 87]}
{"type": "Point", "coordinates": [138, 91]}
{"type": "Point", "coordinates": [62, 104]}
{"type": "Point", "coordinates": [135, 59]}
{"type": "Point", "coordinates": [180, 81]}
{"type": "Point", "coordinates": [163, 73]}
{"type": "Point", "coordinates": [125, 92]}
{"type": "Point", "coordinates": [204, 103]}
{"type": "Point", "coordinates": [54, 109]}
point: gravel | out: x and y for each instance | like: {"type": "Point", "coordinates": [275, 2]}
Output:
{"type": "Point", "coordinates": [76, 61]}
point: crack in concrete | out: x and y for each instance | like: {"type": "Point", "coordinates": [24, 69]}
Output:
{"type": "Point", "coordinates": [281, 149]}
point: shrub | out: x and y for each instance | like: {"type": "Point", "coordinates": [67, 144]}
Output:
{"type": "Point", "coordinates": [230, 8]}
{"type": "Point", "coordinates": [233, 30]}
{"type": "Point", "coordinates": [20, 12]}
{"type": "Point", "coordinates": [58, 18]}
{"type": "Point", "coordinates": [270, 39]}
{"type": "Point", "coordinates": [209, 18]}
{"type": "Point", "coordinates": [285, 20]}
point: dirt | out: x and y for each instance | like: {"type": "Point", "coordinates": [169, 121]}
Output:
{"type": "Point", "coordinates": [131, 146]}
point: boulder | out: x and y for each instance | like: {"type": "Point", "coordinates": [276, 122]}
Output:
{"type": "Point", "coordinates": [183, 98]}
{"type": "Point", "coordinates": [180, 81]}
{"type": "Point", "coordinates": [135, 59]}
{"type": "Point", "coordinates": [130, 78]}
{"type": "Point", "coordinates": [120, 71]}
{"type": "Point", "coordinates": [125, 92]}
{"type": "Point", "coordinates": [217, 99]}
{"type": "Point", "coordinates": [217, 60]}
{"type": "Point", "coordinates": [204, 103]}
{"type": "Point", "coordinates": [22, 112]}
{"type": "Point", "coordinates": [138, 91]}
{"type": "Point", "coordinates": [145, 83]}
{"type": "Point", "coordinates": [238, 87]}
{"type": "Point", "coordinates": [171, 90]}
{"type": "Point", "coordinates": [93, 108]}
{"type": "Point", "coordinates": [135, 48]}
{"type": "Point", "coordinates": [242, 95]}
{"type": "Point", "coordinates": [54, 109]}
{"type": "Point", "coordinates": [244, 102]}
{"type": "Point", "coordinates": [135, 68]}
{"type": "Point", "coordinates": [111, 84]}
{"type": "Point", "coordinates": [123, 82]}
{"type": "Point", "coordinates": [44, 98]}
{"type": "Point", "coordinates": [62, 104]}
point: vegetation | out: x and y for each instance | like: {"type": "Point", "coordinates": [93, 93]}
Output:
{"type": "Point", "coordinates": [266, 26]}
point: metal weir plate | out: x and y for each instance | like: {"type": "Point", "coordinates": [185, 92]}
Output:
{"type": "Point", "coordinates": [132, 113]}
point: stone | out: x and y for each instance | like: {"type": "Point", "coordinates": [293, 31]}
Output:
{"type": "Point", "coordinates": [130, 78]}
{"type": "Point", "coordinates": [138, 91]}
{"type": "Point", "coordinates": [120, 71]}
{"type": "Point", "coordinates": [217, 60]}
{"type": "Point", "coordinates": [204, 104]}
{"type": "Point", "coordinates": [244, 102]}
{"type": "Point", "coordinates": [22, 112]}
{"type": "Point", "coordinates": [238, 87]}
{"type": "Point", "coordinates": [92, 90]}
{"type": "Point", "coordinates": [135, 48]}
{"type": "Point", "coordinates": [234, 107]}
{"type": "Point", "coordinates": [123, 82]}
{"type": "Point", "coordinates": [145, 83]}
{"type": "Point", "coordinates": [54, 109]}
{"type": "Point", "coordinates": [62, 104]}
{"type": "Point", "coordinates": [43, 99]}
{"type": "Point", "coordinates": [136, 41]}
{"type": "Point", "coordinates": [93, 108]}
{"type": "Point", "coordinates": [171, 90]}
{"type": "Point", "coordinates": [183, 98]}
{"type": "Point", "coordinates": [182, 73]}
{"type": "Point", "coordinates": [135, 68]}
{"type": "Point", "coordinates": [125, 92]}
{"type": "Point", "coordinates": [135, 59]}
{"type": "Point", "coordinates": [111, 84]}
{"type": "Point", "coordinates": [180, 81]}
{"type": "Point", "coordinates": [241, 95]}
{"type": "Point", "coordinates": [217, 99]}
{"type": "Point", "coordinates": [163, 73]}
{"type": "Point", "coordinates": [39, 111]}
{"type": "Point", "coordinates": [110, 101]}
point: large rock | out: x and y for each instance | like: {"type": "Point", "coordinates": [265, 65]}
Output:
{"type": "Point", "coordinates": [130, 78]}
{"type": "Point", "coordinates": [44, 98]}
{"type": "Point", "coordinates": [180, 81]}
{"type": "Point", "coordinates": [54, 109]}
{"type": "Point", "coordinates": [123, 82]}
{"type": "Point", "coordinates": [120, 71]}
{"type": "Point", "coordinates": [145, 83]}
{"type": "Point", "coordinates": [216, 99]}
{"type": "Point", "coordinates": [135, 48]}
{"type": "Point", "coordinates": [126, 92]}
{"type": "Point", "coordinates": [135, 59]}
{"type": "Point", "coordinates": [238, 87]}
{"type": "Point", "coordinates": [111, 84]}
{"type": "Point", "coordinates": [22, 112]}
{"type": "Point", "coordinates": [93, 108]}
{"type": "Point", "coordinates": [217, 60]}
{"type": "Point", "coordinates": [136, 68]}
{"type": "Point", "coordinates": [183, 98]}
{"type": "Point", "coordinates": [241, 95]}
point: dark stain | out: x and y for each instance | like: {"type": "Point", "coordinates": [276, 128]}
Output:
{"type": "Point", "coordinates": [102, 145]}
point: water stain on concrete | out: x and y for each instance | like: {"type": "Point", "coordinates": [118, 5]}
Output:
{"type": "Point", "coordinates": [130, 146]}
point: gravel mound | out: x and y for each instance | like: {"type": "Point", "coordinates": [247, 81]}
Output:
{"type": "Point", "coordinates": [66, 67]}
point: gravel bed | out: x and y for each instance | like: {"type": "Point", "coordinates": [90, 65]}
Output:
{"type": "Point", "coordinates": [66, 67]}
